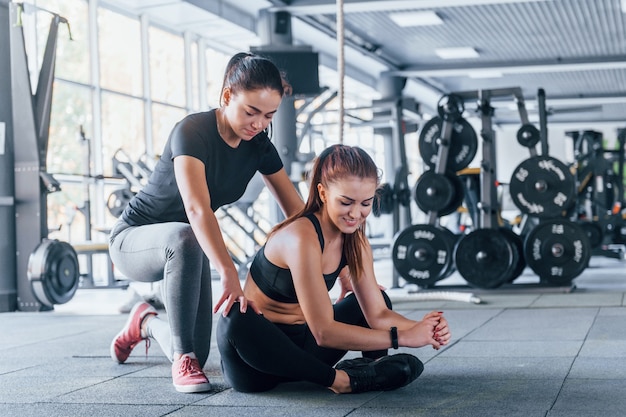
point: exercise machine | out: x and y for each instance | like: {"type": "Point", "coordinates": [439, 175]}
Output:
{"type": "Point", "coordinates": [47, 269]}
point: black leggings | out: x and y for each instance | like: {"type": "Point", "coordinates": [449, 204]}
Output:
{"type": "Point", "coordinates": [257, 355]}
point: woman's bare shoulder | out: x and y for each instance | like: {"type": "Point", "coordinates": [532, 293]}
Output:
{"type": "Point", "coordinates": [300, 230]}
{"type": "Point", "coordinates": [299, 234]}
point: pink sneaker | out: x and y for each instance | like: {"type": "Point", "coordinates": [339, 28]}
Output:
{"type": "Point", "coordinates": [188, 376]}
{"type": "Point", "coordinates": [130, 335]}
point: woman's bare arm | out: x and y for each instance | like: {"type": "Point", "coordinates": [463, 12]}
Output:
{"type": "Point", "coordinates": [197, 201]}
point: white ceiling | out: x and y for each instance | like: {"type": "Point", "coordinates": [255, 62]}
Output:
{"type": "Point", "coordinates": [574, 49]}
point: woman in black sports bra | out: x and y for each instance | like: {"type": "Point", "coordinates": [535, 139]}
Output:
{"type": "Point", "coordinates": [300, 334]}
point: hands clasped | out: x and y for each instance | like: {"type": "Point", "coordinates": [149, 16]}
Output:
{"type": "Point", "coordinates": [431, 330]}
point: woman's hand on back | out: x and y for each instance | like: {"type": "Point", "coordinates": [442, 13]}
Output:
{"type": "Point", "coordinates": [232, 294]}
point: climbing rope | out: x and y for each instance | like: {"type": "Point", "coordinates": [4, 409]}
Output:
{"type": "Point", "coordinates": [340, 66]}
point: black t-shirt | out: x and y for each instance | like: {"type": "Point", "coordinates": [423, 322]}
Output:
{"type": "Point", "coordinates": [227, 170]}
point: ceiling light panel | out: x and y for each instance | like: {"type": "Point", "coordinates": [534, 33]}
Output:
{"type": "Point", "coordinates": [421, 18]}
{"type": "Point", "coordinates": [485, 74]}
{"type": "Point", "coordinates": [463, 52]}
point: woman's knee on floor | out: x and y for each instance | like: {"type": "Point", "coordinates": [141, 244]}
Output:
{"type": "Point", "coordinates": [250, 383]}
{"type": "Point", "coordinates": [237, 323]}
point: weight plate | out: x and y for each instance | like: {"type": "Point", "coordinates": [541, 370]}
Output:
{"type": "Point", "coordinates": [594, 233]}
{"type": "Point", "coordinates": [434, 192]}
{"type": "Point", "coordinates": [403, 196]}
{"type": "Point", "coordinates": [518, 247]}
{"type": "Point", "coordinates": [450, 107]}
{"type": "Point", "coordinates": [485, 258]}
{"type": "Point", "coordinates": [459, 196]}
{"type": "Point", "coordinates": [118, 200]}
{"type": "Point", "coordinates": [463, 143]}
{"type": "Point", "coordinates": [528, 135]}
{"type": "Point", "coordinates": [619, 232]}
{"type": "Point", "coordinates": [422, 254]}
{"type": "Point", "coordinates": [53, 272]}
{"type": "Point", "coordinates": [452, 240]}
{"type": "Point", "coordinates": [615, 228]}
{"type": "Point", "coordinates": [543, 186]}
{"type": "Point", "coordinates": [441, 193]}
{"type": "Point", "coordinates": [557, 250]}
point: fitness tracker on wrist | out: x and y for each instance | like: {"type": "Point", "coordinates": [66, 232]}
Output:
{"type": "Point", "coordinates": [394, 337]}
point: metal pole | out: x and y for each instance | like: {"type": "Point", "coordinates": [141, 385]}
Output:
{"type": "Point", "coordinates": [275, 32]}
{"type": "Point", "coordinates": [390, 88]}
{"type": "Point", "coordinates": [8, 279]}
{"type": "Point", "coordinates": [488, 193]}
{"type": "Point", "coordinates": [543, 121]}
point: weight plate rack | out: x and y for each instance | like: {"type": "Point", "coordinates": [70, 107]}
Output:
{"type": "Point", "coordinates": [491, 255]}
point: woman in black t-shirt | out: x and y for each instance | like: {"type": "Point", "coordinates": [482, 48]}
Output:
{"type": "Point", "coordinates": [169, 230]}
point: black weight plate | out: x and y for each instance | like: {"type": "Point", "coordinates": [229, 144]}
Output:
{"type": "Point", "coordinates": [615, 228]}
{"type": "Point", "coordinates": [452, 240]}
{"type": "Point", "coordinates": [434, 192]}
{"type": "Point", "coordinates": [543, 186]}
{"type": "Point", "coordinates": [463, 144]}
{"type": "Point", "coordinates": [485, 258]}
{"type": "Point", "coordinates": [403, 196]}
{"type": "Point", "coordinates": [450, 107]}
{"type": "Point", "coordinates": [528, 135]}
{"type": "Point", "coordinates": [518, 247]}
{"type": "Point", "coordinates": [557, 250]}
{"type": "Point", "coordinates": [117, 201]}
{"type": "Point", "coordinates": [594, 232]}
{"type": "Point", "coordinates": [53, 272]}
{"type": "Point", "coordinates": [459, 195]}
{"type": "Point", "coordinates": [422, 254]}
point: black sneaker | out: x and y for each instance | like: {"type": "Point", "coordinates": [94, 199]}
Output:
{"type": "Point", "coordinates": [354, 363]}
{"type": "Point", "coordinates": [384, 374]}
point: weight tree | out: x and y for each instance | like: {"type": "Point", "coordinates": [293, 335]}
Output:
{"type": "Point", "coordinates": [556, 248]}
{"type": "Point", "coordinates": [600, 194]}
{"type": "Point", "coordinates": [422, 253]}
{"type": "Point", "coordinates": [491, 255]}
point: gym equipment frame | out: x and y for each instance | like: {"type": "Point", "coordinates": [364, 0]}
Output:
{"type": "Point", "coordinates": [47, 270]}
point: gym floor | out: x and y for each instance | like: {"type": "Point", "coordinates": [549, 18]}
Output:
{"type": "Point", "coordinates": [525, 350]}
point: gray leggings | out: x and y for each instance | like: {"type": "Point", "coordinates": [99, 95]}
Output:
{"type": "Point", "coordinates": [170, 251]}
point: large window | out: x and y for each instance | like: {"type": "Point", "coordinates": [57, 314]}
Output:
{"type": "Point", "coordinates": [122, 82]}
{"type": "Point", "coordinates": [71, 111]}
{"type": "Point", "coordinates": [68, 150]}
{"type": "Point", "coordinates": [72, 61]}
{"type": "Point", "coordinates": [122, 127]}
{"type": "Point", "coordinates": [167, 67]}
{"type": "Point", "coordinates": [215, 66]}
{"type": "Point", "coordinates": [119, 49]}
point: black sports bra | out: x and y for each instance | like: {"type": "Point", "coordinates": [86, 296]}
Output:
{"type": "Point", "coordinates": [277, 282]}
